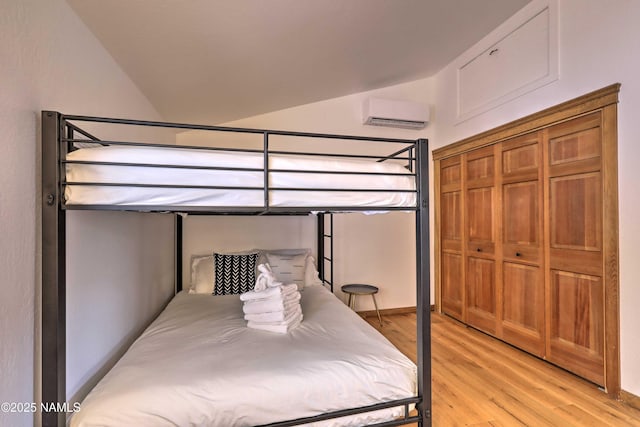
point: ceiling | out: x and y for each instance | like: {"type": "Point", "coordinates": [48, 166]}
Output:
{"type": "Point", "coordinates": [214, 61]}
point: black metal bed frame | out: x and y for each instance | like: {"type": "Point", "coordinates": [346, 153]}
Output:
{"type": "Point", "coordinates": [59, 138]}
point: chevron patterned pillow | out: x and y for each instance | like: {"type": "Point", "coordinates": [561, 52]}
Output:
{"type": "Point", "coordinates": [234, 274]}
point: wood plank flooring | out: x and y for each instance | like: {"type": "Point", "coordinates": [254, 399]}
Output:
{"type": "Point", "coordinates": [480, 381]}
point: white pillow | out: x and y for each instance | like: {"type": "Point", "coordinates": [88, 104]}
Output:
{"type": "Point", "coordinates": [311, 275]}
{"type": "Point", "coordinates": [202, 274]}
{"type": "Point", "coordinates": [263, 253]}
{"type": "Point", "coordinates": [288, 268]}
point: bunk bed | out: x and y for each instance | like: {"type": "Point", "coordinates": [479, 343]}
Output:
{"type": "Point", "coordinates": [83, 172]}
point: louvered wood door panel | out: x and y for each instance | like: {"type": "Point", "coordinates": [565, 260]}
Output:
{"type": "Point", "coordinates": [452, 281]}
{"type": "Point", "coordinates": [522, 282]}
{"type": "Point", "coordinates": [576, 288]}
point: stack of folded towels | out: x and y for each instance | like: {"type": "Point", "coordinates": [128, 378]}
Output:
{"type": "Point", "coordinates": [272, 306]}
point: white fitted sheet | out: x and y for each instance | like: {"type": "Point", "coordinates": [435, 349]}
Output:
{"type": "Point", "coordinates": [104, 195]}
{"type": "Point", "coordinates": [199, 365]}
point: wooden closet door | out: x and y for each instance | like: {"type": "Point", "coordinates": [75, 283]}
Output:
{"type": "Point", "coordinates": [575, 275]}
{"type": "Point", "coordinates": [480, 236]}
{"type": "Point", "coordinates": [452, 282]}
{"type": "Point", "coordinates": [559, 247]}
{"type": "Point", "coordinates": [522, 282]}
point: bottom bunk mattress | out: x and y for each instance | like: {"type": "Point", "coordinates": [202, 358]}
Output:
{"type": "Point", "coordinates": [198, 364]}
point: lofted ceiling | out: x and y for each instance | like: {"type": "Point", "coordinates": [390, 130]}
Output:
{"type": "Point", "coordinates": [215, 61]}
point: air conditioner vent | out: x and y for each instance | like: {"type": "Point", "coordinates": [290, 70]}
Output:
{"type": "Point", "coordinates": [393, 113]}
{"type": "Point", "coordinates": [395, 123]}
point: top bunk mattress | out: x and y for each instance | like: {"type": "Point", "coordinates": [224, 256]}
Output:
{"type": "Point", "coordinates": [198, 364]}
{"type": "Point", "coordinates": [185, 177]}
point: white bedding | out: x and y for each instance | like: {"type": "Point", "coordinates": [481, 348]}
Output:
{"type": "Point", "coordinates": [199, 365]}
{"type": "Point", "coordinates": [87, 195]}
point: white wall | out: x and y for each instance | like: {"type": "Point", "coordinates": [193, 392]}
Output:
{"type": "Point", "coordinates": [377, 249]}
{"type": "Point", "coordinates": [51, 61]}
{"type": "Point", "coordinates": [221, 233]}
{"type": "Point", "coordinates": [120, 272]}
{"type": "Point", "coordinates": [598, 45]}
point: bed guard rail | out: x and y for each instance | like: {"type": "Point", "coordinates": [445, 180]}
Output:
{"type": "Point", "coordinates": [72, 137]}
{"type": "Point", "coordinates": [406, 419]}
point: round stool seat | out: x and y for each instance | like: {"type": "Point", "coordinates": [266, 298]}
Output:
{"type": "Point", "coordinates": [355, 289]}
{"type": "Point", "coordinates": [359, 289]}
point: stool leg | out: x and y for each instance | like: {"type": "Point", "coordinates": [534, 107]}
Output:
{"type": "Point", "coordinates": [349, 300]}
{"type": "Point", "coordinates": [377, 311]}
{"type": "Point", "coordinates": [353, 302]}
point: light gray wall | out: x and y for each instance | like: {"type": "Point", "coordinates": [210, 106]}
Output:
{"type": "Point", "coordinates": [366, 247]}
{"type": "Point", "coordinates": [120, 273]}
{"type": "Point", "coordinates": [209, 234]}
{"type": "Point", "coordinates": [49, 60]}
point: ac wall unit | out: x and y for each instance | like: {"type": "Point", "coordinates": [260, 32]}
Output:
{"type": "Point", "coordinates": [393, 113]}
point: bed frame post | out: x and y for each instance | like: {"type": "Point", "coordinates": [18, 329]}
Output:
{"type": "Point", "coordinates": [423, 286]}
{"type": "Point", "coordinates": [331, 248]}
{"type": "Point", "coordinates": [178, 252]}
{"type": "Point", "coordinates": [320, 260]}
{"type": "Point", "coordinates": [53, 272]}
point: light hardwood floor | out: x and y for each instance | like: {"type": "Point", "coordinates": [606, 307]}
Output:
{"type": "Point", "coordinates": [480, 381]}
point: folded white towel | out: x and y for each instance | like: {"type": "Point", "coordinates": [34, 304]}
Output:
{"type": "Point", "coordinates": [279, 327]}
{"type": "Point", "coordinates": [270, 305]}
{"type": "Point", "coordinates": [269, 292]}
{"type": "Point", "coordinates": [266, 279]}
{"type": "Point", "coordinates": [289, 296]}
{"type": "Point", "coordinates": [275, 316]}
{"type": "Point", "coordinates": [261, 283]}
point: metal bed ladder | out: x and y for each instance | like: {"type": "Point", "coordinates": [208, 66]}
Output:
{"type": "Point", "coordinates": [325, 235]}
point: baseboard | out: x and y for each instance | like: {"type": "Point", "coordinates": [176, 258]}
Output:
{"type": "Point", "coordinates": [630, 399]}
{"type": "Point", "coordinates": [389, 311]}
{"type": "Point", "coordinates": [399, 310]}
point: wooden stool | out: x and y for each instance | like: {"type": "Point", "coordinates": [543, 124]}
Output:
{"type": "Point", "coordinates": [355, 289]}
